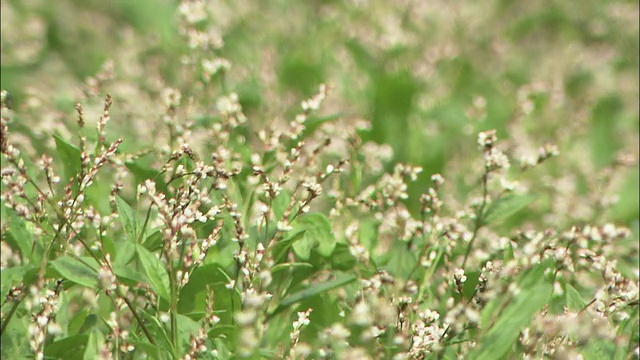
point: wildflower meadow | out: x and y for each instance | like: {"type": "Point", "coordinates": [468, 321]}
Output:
{"type": "Point", "coordinates": [335, 179]}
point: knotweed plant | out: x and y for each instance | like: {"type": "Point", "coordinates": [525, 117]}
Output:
{"type": "Point", "coordinates": [164, 217]}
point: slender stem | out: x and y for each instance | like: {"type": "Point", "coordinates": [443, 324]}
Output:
{"type": "Point", "coordinates": [479, 217]}
{"type": "Point", "coordinates": [136, 315]}
{"type": "Point", "coordinates": [174, 309]}
{"type": "Point", "coordinates": [6, 320]}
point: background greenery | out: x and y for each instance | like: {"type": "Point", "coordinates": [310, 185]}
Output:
{"type": "Point", "coordinates": [412, 68]}
{"type": "Point", "coordinates": [560, 72]}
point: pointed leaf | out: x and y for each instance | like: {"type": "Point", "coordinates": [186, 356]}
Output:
{"type": "Point", "coordinates": [155, 271]}
{"type": "Point", "coordinates": [127, 217]}
{"type": "Point", "coordinates": [280, 204]}
{"type": "Point", "coordinates": [76, 271]}
{"type": "Point", "coordinates": [535, 292]}
{"type": "Point", "coordinates": [575, 302]}
{"type": "Point", "coordinates": [507, 206]}
{"type": "Point", "coordinates": [10, 277]}
{"type": "Point", "coordinates": [71, 348]}
{"type": "Point", "coordinates": [18, 235]}
{"type": "Point", "coordinates": [314, 290]}
{"type": "Point", "coordinates": [95, 344]}
{"type": "Point", "coordinates": [317, 235]}
{"type": "Point", "coordinates": [70, 156]}
{"type": "Point", "coordinates": [141, 173]}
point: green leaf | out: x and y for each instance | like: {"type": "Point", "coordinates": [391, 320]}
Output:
{"type": "Point", "coordinates": [10, 277]}
{"type": "Point", "coordinates": [575, 302]}
{"type": "Point", "coordinates": [155, 271]}
{"type": "Point", "coordinates": [15, 339]}
{"type": "Point", "coordinates": [77, 321]}
{"type": "Point", "coordinates": [368, 234]}
{"type": "Point", "coordinates": [90, 321]}
{"type": "Point", "coordinates": [507, 206]}
{"type": "Point", "coordinates": [194, 294]}
{"type": "Point", "coordinates": [141, 173]}
{"type": "Point", "coordinates": [128, 275]}
{"type": "Point", "coordinates": [127, 217]}
{"type": "Point", "coordinates": [282, 247]}
{"type": "Point", "coordinates": [317, 234]}
{"type": "Point", "coordinates": [77, 271]}
{"type": "Point", "coordinates": [290, 266]}
{"type": "Point", "coordinates": [70, 156]}
{"type": "Point", "coordinates": [158, 333]}
{"type": "Point", "coordinates": [303, 247]}
{"type": "Point", "coordinates": [154, 241]}
{"type": "Point", "coordinates": [69, 348]}
{"type": "Point", "coordinates": [126, 250]}
{"type": "Point", "coordinates": [598, 349]}
{"type": "Point", "coordinates": [535, 292]}
{"type": "Point", "coordinates": [401, 259]}
{"type": "Point", "coordinates": [18, 236]}
{"type": "Point", "coordinates": [314, 290]}
{"type": "Point", "coordinates": [94, 345]}
{"type": "Point", "coordinates": [342, 259]}
{"type": "Point", "coordinates": [186, 328]}
{"type": "Point", "coordinates": [605, 114]}
{"type": "Point", "coordinates": [280, 204]}
{"type": "Point", "coordinates": [150, 350]}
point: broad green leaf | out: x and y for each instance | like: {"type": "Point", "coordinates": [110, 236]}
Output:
{"type": "Point", "coordinates": [402, 260]}
{"type": "Point", "coordinates": [604, 114]}
{"type": "Point", "coordinates": [18, 235]}
{"type": "Point", "coordinates": [154, 241]}
{"type": "Point", "coordinates": [128, 275]}
{"type": "Point", "coordinates": [90, 321]}
{"type": "Point", "coordinates": [127, 217]}
{"type": "Point", "coordinates": [186, 328]}
{"type": "Point", "coordinates": [126, 250]}
{"type": "Point", "coordinates": [69, 348]}
{"type": "Point", "coordinates": [342, 259]}
{"type": "Point", "coordinates": [95, 344]}
{"type": "Point", "coordinates": [575, 302]}
{"type": "Point", "coordinates": [98, 195]}
{"type": "Point", "coordinates": [367, 233]}
{"type": "Point", "coordinates": [70, 156]}
{"type": "Point", "coordinates": [282, 247]}
{"type": "Point", "coordinates": [15, 339]}
{"type": "Point", "coordinates": [77, 271]}
{"type": "Point", "coordinates": [535, 292]}
{"type": "Point", "coordinates": [317, 234]}
{"type": "Point", "coordinates": [507, 206]}
{"type": "Point", "coordinates": [209, 277]}
{"type": "Point", "coordinates": [156, 272]}
{"type": "Point", "coordinates": [141, 173]}
{"type": "Point", "coordinates": [314, 290]}
{"type": "Point", "coordinates": [77, 321]}
{"type": "Point", "coordinates": [303, 247]}
{"type": "Point", "coordinates": [10, 277]}
{"type": "Point", "coordinates": [280, 204]}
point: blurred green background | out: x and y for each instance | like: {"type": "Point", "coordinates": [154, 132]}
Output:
{"type": "Point", "coordinates": [429, 75]}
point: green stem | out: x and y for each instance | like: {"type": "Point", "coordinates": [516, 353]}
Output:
{"type": "Point", "coordinates": [136, 315]}
{"type": "Point", "coordinates": [479, 217]}
{"type": "Point", "coordinates": [6, 320]}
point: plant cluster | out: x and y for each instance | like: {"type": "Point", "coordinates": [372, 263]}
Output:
{"type": "Point", "coordinates": [179, 222]}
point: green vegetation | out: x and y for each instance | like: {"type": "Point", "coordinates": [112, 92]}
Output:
{"type": "Point", "coordinates": [319, 179]}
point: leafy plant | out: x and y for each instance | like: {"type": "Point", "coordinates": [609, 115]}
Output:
{"type": "Point", "coordinates": [203, 216]}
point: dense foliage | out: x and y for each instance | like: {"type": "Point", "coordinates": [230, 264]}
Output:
{"type": "Point", "coordinates": [319, 179]}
